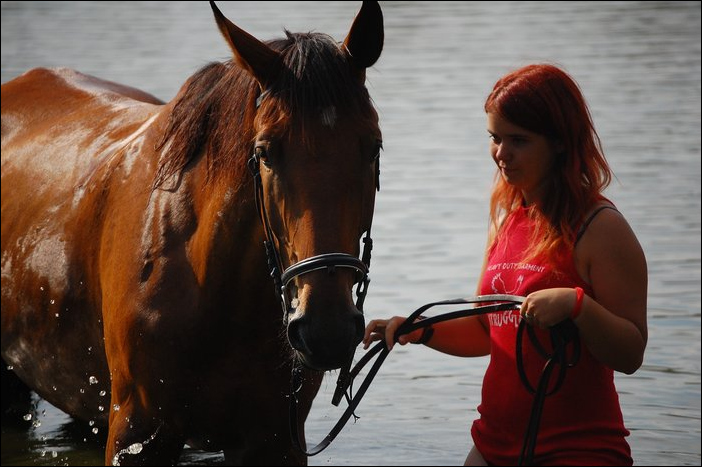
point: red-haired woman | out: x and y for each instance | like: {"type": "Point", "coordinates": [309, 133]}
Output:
{"type": "Point", "coordinates": [556, 240]}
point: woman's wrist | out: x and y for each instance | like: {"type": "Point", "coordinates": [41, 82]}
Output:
{"type": "Point", "coordinates": [578, 307]}
{"type": "Point", "coordinates": [427, 332]}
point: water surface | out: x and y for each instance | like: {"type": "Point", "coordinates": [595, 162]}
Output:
{"type": "Point", "coordinates": [638, 64]}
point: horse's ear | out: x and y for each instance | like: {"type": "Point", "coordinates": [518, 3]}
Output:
{"type": "Point", "coordinates": [257, 58]}
{"type": "Point", "coordinates": [364, 41]}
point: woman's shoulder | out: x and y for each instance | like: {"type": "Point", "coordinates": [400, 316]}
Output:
{"type": "Point", "coordinates": [604, 211]}
{"type": "Point", "coordinates": [605, 230]}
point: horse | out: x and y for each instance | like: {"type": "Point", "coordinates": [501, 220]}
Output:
{"type": "Point", "coordinates": [136, 290]}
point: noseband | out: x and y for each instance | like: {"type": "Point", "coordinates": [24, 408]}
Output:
{"type": "Point", "coordinates": [328, 261]}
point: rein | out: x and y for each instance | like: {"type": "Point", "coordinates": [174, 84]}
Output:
{"type": "Point", "coordinates": [561, 335]}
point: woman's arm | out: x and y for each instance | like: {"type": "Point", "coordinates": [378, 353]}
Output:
{"type": "Point", "coordinates": [615, 326]}
{"type": "Point", "coordinates": [612, 323]}
{"type": "Point", "coordinates": [463, 337]}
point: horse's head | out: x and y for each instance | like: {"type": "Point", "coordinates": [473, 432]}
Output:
{"type": "Point", "coordinates": [315, 159]}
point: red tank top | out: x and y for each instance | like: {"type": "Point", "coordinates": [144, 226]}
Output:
{"type": "Point", "coordinates": [582, 422]}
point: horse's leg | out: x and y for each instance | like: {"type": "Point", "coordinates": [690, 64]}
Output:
{"type": "Point", "coordinates": [16, 396]}
{"type": "Point", "coordinates": [280, 454]}
{"type": "Point", "coordinates": [138, 438]}
{"type": "Point", "coordinates": [269, 442]}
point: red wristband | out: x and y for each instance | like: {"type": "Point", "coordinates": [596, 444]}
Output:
{"type": "Point", "coordinates": [579, 295]}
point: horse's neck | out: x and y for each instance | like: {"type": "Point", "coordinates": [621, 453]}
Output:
{"type": "Point", "coordinates": [229, 229]}
{"type": "Point", "coordinates": [213, 210]}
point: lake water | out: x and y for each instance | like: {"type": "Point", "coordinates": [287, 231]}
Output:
{"type": "Point", "coordinates": [638, 64]}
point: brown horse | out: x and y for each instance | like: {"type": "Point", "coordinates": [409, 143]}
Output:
{"type": "Point", "coordinates": [135, 286]}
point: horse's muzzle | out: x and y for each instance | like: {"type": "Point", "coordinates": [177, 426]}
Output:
{"type": "Point", "coordinates": [326, 340]}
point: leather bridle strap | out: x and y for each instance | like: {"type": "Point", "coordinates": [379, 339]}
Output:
{"type": "Point", "coordinates": [329, 261]}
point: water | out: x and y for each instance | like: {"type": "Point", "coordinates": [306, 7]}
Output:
{"type": "Point", "coordinates": [639, 66]}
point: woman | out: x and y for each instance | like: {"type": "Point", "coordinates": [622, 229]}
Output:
{"type": "Point", "coordinates": [555, 239]}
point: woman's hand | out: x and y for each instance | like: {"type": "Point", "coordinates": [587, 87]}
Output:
{"type": "Point", "coordinates": [548, 307]}
{"type": "Point", "coordinates": [378, 329]}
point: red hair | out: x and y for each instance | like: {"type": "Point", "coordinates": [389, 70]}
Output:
{"type": "Point", "coordinates": [545, 100]}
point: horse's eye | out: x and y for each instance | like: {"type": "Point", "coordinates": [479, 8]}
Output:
{"type": "Point", "coordinates": [261, 153]}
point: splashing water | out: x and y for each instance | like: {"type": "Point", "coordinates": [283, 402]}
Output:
{"type": "Point", "coordinates": [135, 448]}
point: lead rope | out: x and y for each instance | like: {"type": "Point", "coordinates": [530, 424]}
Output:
{"type": "Point", "coordinates": [561, 335]}
{"type": "Point", "coordinates": [345, 379]}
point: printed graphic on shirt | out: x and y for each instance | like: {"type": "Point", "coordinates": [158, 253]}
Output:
{"type": "Point", "coordinates": [516, 267]}
{"type": "Point", "coordinates": [499, 287]}
{"type": "Point", "coordinates": [508, 284]}
{"type": "Point", "coordinates": [504, 318]}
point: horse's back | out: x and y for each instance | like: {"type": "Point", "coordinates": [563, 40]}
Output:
{"type": "Point", "coordinates": [58, 125]}
{"type": "Point", "coordinates": [64, 136]}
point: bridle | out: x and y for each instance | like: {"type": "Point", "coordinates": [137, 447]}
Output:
{"type": "Point", "coordinates": [282, 277]}
{"type": "Point", "coordinates": [328, 261]}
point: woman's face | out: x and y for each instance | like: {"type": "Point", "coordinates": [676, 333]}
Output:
{"type": "Point", "coordinates": [524, 159]}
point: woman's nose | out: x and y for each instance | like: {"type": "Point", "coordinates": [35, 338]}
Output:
{"type": "Point", "coordinates": [500, 152]}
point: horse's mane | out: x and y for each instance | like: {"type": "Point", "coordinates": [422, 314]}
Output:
{"type": "Point", "coordinates": [215, 109]}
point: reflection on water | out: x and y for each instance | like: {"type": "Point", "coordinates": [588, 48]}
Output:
{"type": "Point", "coordinates": [639, 66]}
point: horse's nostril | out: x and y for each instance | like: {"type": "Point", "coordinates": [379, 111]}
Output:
{"type": "Point", "coordinates": [294, 335]}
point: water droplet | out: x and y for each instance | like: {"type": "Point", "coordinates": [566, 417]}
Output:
{"type": "Point", "coordinates": [54, 454]}
{"type": "Point", "coordinates": [102, 393]}
{"type": "Point", "coordinates": [10, 367]}
{"type": "Point", "coordinates": [53, 387]}
{"type": "Point", "coordinates": [91, 422]}
{"type": "Point", "coordinates": [116, 408]}
{"type": "Point", "coordinates": [82, 391]}
{"type": "Point", "coordinates": [57, 315]}
{"type": "Point", "coordinates": [101, 408]}
{"type": "Point", "coordinates": [41, 288]}
{"type": "Point", "coordinates": [28, 417]}
{"type": "Point", "coordinates": [42, 453]}
{"type": "Point", "coordinates": [135, 448]}
{"type": "Point", "coordinates": [52, 301]}
{"type": "Point", "coordinates": [95, 430]}
{"type": "Point", "coordinates": [36, 424]}
{"type": "Point", "coordinates": [92, 380]}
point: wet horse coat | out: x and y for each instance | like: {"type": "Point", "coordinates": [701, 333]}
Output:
{"type": "Point", "coordinates": [132, 259]}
